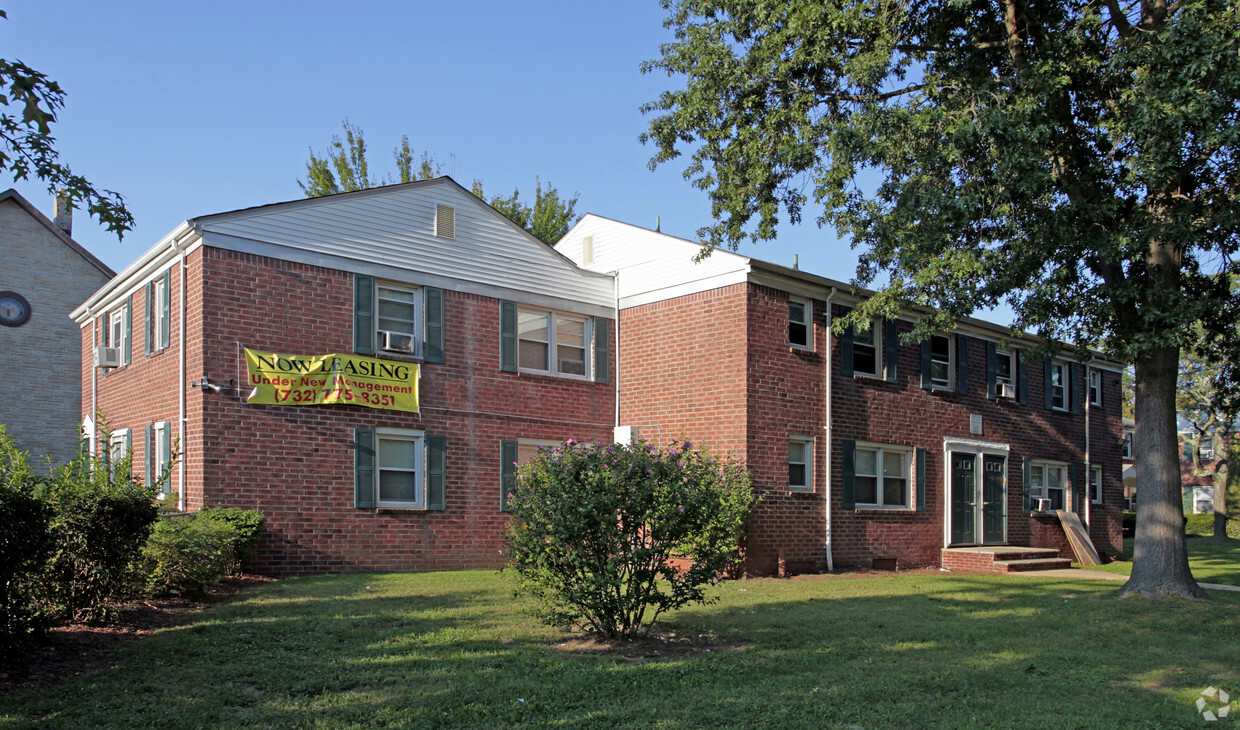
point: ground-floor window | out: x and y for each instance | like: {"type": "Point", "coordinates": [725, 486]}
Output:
{"type": "Point", "coordinates": [801, 463]}
{"type": "Point", "coordinates": [881, 476]}
{"type": "Point", "coordinates": [159, 456]}
{"type": "Point", "coordinates": [1095, 484]}
{"type": "Point", "coordinates": [512, 454]}
{"type": "Point", "coordinates": [399, 468]}
{"type": "Point", "coordinates": [1049, 480]}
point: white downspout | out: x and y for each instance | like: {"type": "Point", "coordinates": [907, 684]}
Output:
{"type": "Point", "coordinates": [826, 461]}
{"type": "Point", "coordinates": [616, 293]}
{"type": "Point", "coordinates": [1089, 464]}
{"type": "Point", "coordinates": [181, 385]}
{"type": "Point", "coordinates": [94, 384]}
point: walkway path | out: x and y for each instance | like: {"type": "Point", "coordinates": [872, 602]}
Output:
{"type": "Point", "coordinates": [1085, 573]}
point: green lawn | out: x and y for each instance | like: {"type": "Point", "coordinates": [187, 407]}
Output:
{"type": "Point", "coordinates": [1210, 559]}
{"type": "Point", "coordinates": [456, 649]}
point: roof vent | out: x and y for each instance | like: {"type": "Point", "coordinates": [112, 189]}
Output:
{"type": "Point", "coordinates": [587, 250]}
{"type": "Point", "coordinates": [445, 221]}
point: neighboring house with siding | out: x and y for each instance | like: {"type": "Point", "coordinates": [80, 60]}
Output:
{"type": "Point", "coordinates": [868, 451]}
{"type": "Point", "coordinates": [44, 274]}
{"type": "Point", "coordinates": [511, 341]}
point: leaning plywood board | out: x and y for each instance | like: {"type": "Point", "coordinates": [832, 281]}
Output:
{"type": "Point", "coordinates": [1078, 538]}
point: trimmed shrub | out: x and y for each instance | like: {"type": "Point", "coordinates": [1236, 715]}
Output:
{"type": "Point", "coordinates": [101, 517]}
{"type": "Point", "coordinates": [611, 536]}
{"type": "Point", "coordinates": [247, 525]}
{"type": "Point", "coordinates": [23, 542]}
{"type": "Point", "coordinates": [186, 555]}
{"type": "Point", "coordinates": [1203, 526]}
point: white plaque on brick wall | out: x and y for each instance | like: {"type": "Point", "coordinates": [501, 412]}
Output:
{"type": "Point", "coordinates": [975, 424]}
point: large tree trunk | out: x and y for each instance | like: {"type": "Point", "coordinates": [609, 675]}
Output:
{"type": "Point", "coordinates": [1160, 556]}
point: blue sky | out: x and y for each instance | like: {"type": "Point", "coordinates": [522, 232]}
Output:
{"type": "Point", "coordinates": [189, 109]}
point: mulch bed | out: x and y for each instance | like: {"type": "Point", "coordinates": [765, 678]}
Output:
{"type": "Point", "coordinates": [80, 648]}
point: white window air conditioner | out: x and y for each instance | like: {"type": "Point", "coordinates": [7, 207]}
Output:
{"type": "Point", "coordinates": [1007, 390]}
{"type": "Point", "coordinates": [397, 341]}
{"type": "Point", "coordinates": [107, 357]}
{"type": "Point", "coordinates": [1041, 504]}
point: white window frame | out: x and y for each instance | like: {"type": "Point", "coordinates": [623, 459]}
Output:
{"type": "Point", "coordinates": [1059, 390]}
{"type": "Point", "coordinates": [876, 326]}
{"type": "Point", "coordinates": [1043, 466]}
{"type": "Point", "coordinates": [1126, 449]}
{"type": "Point", "coordinates": [1095, 483]}
{"type": "Point", "coordinates": [418, 317]}
{"type": "Point", "coordinates": [1095, 387]}
{"type": "Point", "coordinates": [807, 456]}
{"type": "Point", "coordinates": [881, 450]}
{"type": "Point", "coordinates": [418, 438]}
{"type": "Point", "coordinates": [528, 448]}
{"type": "Point", "coordinates": [947, 383]}
{"type": "Point", "coordinates": [161, 459]}
{"type": "Point", "coordinates": [116, 446]}
{"type": "Point", "coordinates": [115, 333]}
{"type": "Point", "coordinates": [553, 364]}
{"type": "Point", "coordinates": [1008, 356]}
{"type": "Point", "coordinates": [807, 321]}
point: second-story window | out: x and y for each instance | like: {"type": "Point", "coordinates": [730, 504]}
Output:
{"type": "Point", "coordinates": [398, 322]}
{"type": "Point", "coordinates": [1059, 386]}
{"type": "Point", "coordinates": [553, 342]}
{"type": "Point", "coordinates": [941, 361]}
{"type": "Point", "coordinates": [1095, 387]}
{"type": "Point", "coordinates": [799, 318]}
{"type": "Point", "coordinates": [866, 359]}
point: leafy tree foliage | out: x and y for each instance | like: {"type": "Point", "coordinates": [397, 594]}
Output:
{"type": "Point", "coordinates": [596, 529]}
{"type": "Point", "coordinates": [29, 102]}
{"type": "Point", "coordinates": [1076, 160]}
{"type": "Point", "coordinates": [343, 168]}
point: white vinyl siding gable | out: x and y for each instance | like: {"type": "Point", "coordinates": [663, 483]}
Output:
{"type": "Point", "coordinates": [395, 227]}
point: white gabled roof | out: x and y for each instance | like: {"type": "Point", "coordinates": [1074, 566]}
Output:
{"type": "Point", "coordinates": [389, 232]}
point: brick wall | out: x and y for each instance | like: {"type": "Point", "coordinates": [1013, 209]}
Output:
{"type": "Point", "coordinates": [680, 361]}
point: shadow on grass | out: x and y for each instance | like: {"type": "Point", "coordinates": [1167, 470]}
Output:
{"type": "Point", "coordinates": [457, 649]}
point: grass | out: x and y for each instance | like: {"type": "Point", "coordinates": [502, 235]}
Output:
{"type": "Point", "coordinates": [1212, 560]}
{"type": "Point", "coordinates": [457, 649]}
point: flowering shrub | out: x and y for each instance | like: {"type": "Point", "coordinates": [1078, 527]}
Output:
{"type": "Point", "coordinates": [596, 529]}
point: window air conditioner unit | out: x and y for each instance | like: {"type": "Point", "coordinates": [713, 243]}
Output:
{"type": "Point", "coordinates": [1041, 504]}
{"type": "Point", "coordinates": [107, 357]}
{"type": "Point", "coordinates": [397, 342]}
{"type": "Point", "coordinates": [1007, 390]}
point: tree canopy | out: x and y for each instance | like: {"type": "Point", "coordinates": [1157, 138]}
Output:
{"type": "Point", "coordinates": [344, 168]}
{"type": "Point", "coordinates": [29, 102]}
{"type": "Point", "coordinates": [1075, 160]}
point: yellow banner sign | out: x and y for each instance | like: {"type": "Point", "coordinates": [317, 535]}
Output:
{"type": "Point", "coordinates": [311, 380]}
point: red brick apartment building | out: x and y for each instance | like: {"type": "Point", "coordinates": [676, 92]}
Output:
{"type": "Point", "coordinates": [511, 341]}
{"type": "Point", "coordinates": [867, 451]}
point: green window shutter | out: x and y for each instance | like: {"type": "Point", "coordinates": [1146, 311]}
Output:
{"type": "Point", "coordinates": [148, 330]}
{"type": "Point", "coordinates": [849, 474]}
{"type": "Point", "coordinates": [1046, 382]}
{"type": "Point", "coordinates": [1074, 381]}
{"type": "Point", "coordinates": [364, 468]}
{"type": "Point", "coordinates": [165, 328]}
{"type": "Point", "coordinates": [128, 349]}
{"type": "Point", "coordinates": [363, 314]}
{"type": "Point", "coordinates": [507, 472]}
{"type": "Point", "coordinates": [508, 336]}
{"type": "Point", "coordinates": [992, 371]}
{"type": "Point", "coordinates": [602, 350]}
{"type": "Point", "coordinates": [1022, 380]}
{"type": "Point", "coordinates": [891, 341]}
{"type": "Point", "coordinates": [962, 363]}
{"type": "Point", "coordinates": [925, 364]}
{"type": "Point", "coordinates": [920, 456]}
{"type": "Point", "coordinates": [436, 455]}
{"type": "Point", "coordinates": [1027, 477]}
{"type": "Point", "coordinates": [432, 348]}
{"type": "Point", "coordinates": [166, 439]}
{"type": "Point", "coordinates": [1074, 472]}
{"type": "Point", "coordinates": [148, 453]}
